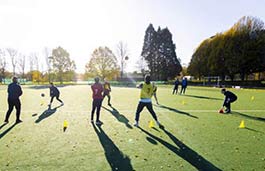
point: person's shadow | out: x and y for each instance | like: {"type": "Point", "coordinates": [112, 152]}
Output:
{"type": "Point", "coordinates": [48, 112]}
{"type": "Point", "coordinates": [7, 130]}
{"type": "Point", "coordinates": [116, 159]}
{"type": "Point", "coordinates": [249, 117]}
{"type": "Point", "coordinates": [120, 117]}
{"type": "Point", "coordinates": [182, 150]}
{"type": "Point", "coordinates": [175, 110]}
{"type": "Point", "coordinates": [203, 97]}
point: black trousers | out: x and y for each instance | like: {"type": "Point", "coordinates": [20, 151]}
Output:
{"type": "Point", "coordinates": [11, 104]}
{"type": "Point", "coordinates": [141, 106]}
{"type": "Point", "coordinates": [106, 93]}
{"type": "Point", "coordinates": [96, 105]}
{"type": "Point", "coordinates": [175, 89]}
{"type": "Point", "coordinates": [183, 89]}
{"type": "Point", "coordinates": [57, 97]}
{"type": "Point", "coordinates": [227, 103]}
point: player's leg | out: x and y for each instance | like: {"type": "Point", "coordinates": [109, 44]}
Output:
{"type": "Point", "coordinates": [138, 111]}
{"type": "Point", "coordinates": [10, 109]}
{"type": "Point", "coordinates": [98, 106]}
{"type": "Point", "coordinates": [51, 99]}
{"type": "Point", "coordinates": [151, 110]}
{"type": "Point", "coordinates": [109, 99]}
{"type": "Point", "coordinates": [18, 109]}
{"type": "Point", "coordinates": [93, 110]}
{"type": "Point", "coordinates": [57, 98]}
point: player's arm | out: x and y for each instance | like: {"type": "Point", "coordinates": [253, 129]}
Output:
{"type": "Point", "coordinates": [139, 85]}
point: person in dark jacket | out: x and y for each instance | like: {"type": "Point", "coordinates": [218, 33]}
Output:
{"type": "Point", "coordinates": [54, 92]}
{"type": "Point", "coordinates": [229, 98]}
{"type": "Point", "coordinates": [176, 86]}
{"type": "Point", "coordinates": [184, 85]}
{"type": "Point", "coordinates": [14, 92]}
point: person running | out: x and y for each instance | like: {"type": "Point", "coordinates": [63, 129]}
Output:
{"type": "Point", "coordinates": [229, 98]}
{"type": "Point", "coordinates": [154, 92]}
{"type": "Point", "coordinates": [107, 90]}
{"type": "Point", "coordinates": [176, 86]}
{"type": "Point", "coordinates": [184, 85]}
{"type": "Point", "coordinates": [97, 90]}
{"type": "Point", "coordinates": [54, 92]}
{"type": "Point", "coordinates": [14, 92]}
{"type": "Point", "coordinates": [145, 101]}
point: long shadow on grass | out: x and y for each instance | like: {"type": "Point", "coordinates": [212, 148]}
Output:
{"type": "Point", "coordinates": [120, 117]}
{"type": "Point", "coordinates": [203, 97]}
{"type": "Point", "coordinates": [176, 111]}
{"type": "Point", "coordinates": [116, 159]}
{"type": "Point", "coordinates": [7, 130]}
{"type": "Point", "coordinates": [48, 112]}
{"type": "Point", "coordinates": [4, 124]}
{"type": "Point", "coordinates": [184, 152]}
{"type": "Point", "coordinates": [249, 117]}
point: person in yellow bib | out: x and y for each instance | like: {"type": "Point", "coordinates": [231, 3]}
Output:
{"type": "Point", "coordinates": [107, 90]}
{"type": "Point", "coordinates": [146, 94]}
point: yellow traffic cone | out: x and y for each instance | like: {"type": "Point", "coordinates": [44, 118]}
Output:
{"type": "Point", "coordinates": [242, 124]}
{"type": "Point", "coordinates": [252, 98]}
{"type": "Point", "coordinates": [183, 102]}
{"type": "Point", "coordinates": [151, 124]}
{"type": "Point", "coordinates": [65, 125]}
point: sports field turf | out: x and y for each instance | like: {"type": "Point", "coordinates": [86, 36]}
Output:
{"type": "Point", "coordinates": [196, 136]}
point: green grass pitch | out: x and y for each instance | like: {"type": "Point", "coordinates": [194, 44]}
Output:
{"type": "Point", "coordinates": [196, 136]}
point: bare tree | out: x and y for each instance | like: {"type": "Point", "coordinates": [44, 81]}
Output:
{"type": "Point", "coordinates": [3, 64]}
{"type": "Point", "coordinates": [22, 64]}
{"type": "Point", "coordinates": [33, 62]}
{"type": "Point", "coordinates": [48, 57]}
{"type": "Point", "coordinates": [142, 66]}
{"type": "Point", "coordinates": [13, 53]}
{"type": "Point", "coordinates": [122, 53]}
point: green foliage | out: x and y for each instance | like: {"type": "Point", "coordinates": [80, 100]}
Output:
{"type": "Point", "coordinates": [62, 65]}
{"type": "Point", "coordinates": [103, 63]}
{"type": "Point", "coordinates": [239, 50]}
{"type": "Point", "coordinates": [159, 53]}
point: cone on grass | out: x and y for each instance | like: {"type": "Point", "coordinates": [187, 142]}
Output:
{"type": "Point", "coordinates": [183, 102]}
{"type": "Point", "coordinates": [221, 110]}
{"type": "Point", "coordinates": [252, 98]}
{"type": "Point", "coordinates": [65, 125]}
{"type": "Point", "coordinates": [151, 124]}
{"type": "Point", "coordinates": [242, 124]}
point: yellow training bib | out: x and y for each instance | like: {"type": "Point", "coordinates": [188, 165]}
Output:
{"type": "Point", "coordinates": [147, 91]}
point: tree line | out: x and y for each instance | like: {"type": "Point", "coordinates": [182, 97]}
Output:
{"type": "Point", "coordinates": [59, 66]}
{"type": "Point", "coordinates": [239, 51]}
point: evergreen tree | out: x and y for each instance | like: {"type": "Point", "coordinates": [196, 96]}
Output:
{"type": "Point", "coordinates": [159, 52]}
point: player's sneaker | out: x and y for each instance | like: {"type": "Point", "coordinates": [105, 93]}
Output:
{"type": "Point", "coordinates": [99, 123]}
{"type": "Point", "coordinates": [6, 121]}
{"type": "Point", "coordinates": [18, 121]}
{"type": "Point", "coordinates": [136, 124]}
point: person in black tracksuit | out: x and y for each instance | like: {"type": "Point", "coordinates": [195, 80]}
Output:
{"type": "Point", "coordinates": [229, 98]}
{"type": "Point", "coordinates": [54, 92]}
{"type": "Point", "coordinates": [14, 92]}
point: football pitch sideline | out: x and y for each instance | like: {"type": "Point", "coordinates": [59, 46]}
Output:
{"type": "Point", "coordinates": [195, 137]}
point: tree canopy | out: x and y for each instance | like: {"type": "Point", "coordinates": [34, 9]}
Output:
{"type": "Point", "coordinates": [103, 63]}
{"type": "Point", "coordinates": [239, 50]}
{"type": "Point", "coordinates": [159, 53]}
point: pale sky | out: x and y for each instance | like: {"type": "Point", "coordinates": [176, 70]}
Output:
{"type": "Point", "coordinates": [80, 26]}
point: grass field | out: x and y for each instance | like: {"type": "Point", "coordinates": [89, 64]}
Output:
{"type": "Point", "coordinates": [195, 137]}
